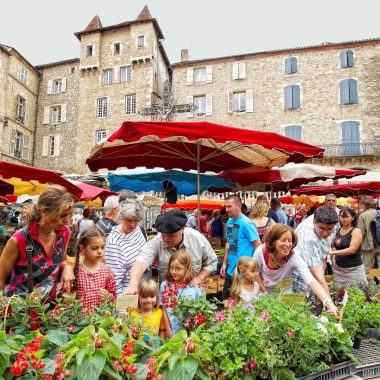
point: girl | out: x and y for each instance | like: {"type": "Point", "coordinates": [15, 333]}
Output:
{"type": "Point", "coordinates": [244, 281]}
{"type": "Point", "coordinates": [147, 311]}
{"type": "Point", "coordinates": [259, 217]}
{"type": "Point", "coordinates": [177, 284]}
{"type": "Point", "coordinates": [94, 279]}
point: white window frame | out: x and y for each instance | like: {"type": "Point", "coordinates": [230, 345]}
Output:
{"type": "Point", "coordinates": [90, 49]}
{"type": "Point", "coordinates": [130, 104]}
{"type": "Point", "coordinates": [56, 114]}
{"type": "Point", "coordinates": [114, 44]}
{"type": "Point", "coordinates": [17, 151]}
{"type": "Point", "coordinates": [126, 73]}
{"type": "Point", "coordinates": [21, 110]}
{"type": "Point", "coordinates": [199, 75]}
{"type": "Point", "coordinates": [238, 70]}
{"type": "Point", "coordinates": [100, 135]}
{"type": "Point", "coordinates": [57, 86]}
{"type": "Point", "coordinates": [102, 107]}
{"type": "Point", "coordinates": [23, 74]}
{"type": "Point", "coordinates": [239, 94]}
{"type": "Point", "coordinates": [140, 38]}
{"type": "Point", "coordinates": [200, 100]}
{"type": "Point", "coordinates": [107, 76]}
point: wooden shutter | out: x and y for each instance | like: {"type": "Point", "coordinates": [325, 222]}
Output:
{"type": "Point", "coordinates": [46, 115]}
{"type": "Point", "coordinates": [350, 58]}
{"type": "Point", "coordinates": [293, 64]}
{"type": "Point", "coordinates": [288, 98]}
{"type": "Point", "coordinates": [249, 101]}
{"type": "Point", "coordinates": [115, 74]}
{"type": "Point", "coordinates": [63, 113]}
{"type": "Point", "coordinates": [344, 92]}
{"type": "Point", "coordinates": [353, 90]}
{"type": "Point", "coordinates": [235, 70]}
{"type": "Point", "coordinates": [296, 96]}
{"type": "Point", "coordinates": [63, 84]}
{"type": "Point", "coordinates": [25, 147]}
{"type": "Point", "coordinates": [189, 100]}
{"type": "Point", "coordinates": [293, 132]}
{"type": "Point", "coordinates": [230, 106]}
{"type": "Point", "coordinates": [12, 146]}
{"type": "Point", "coordinates": [343, 59]}
{"type": "Point", "coordinates": [26, 112]}
{"type": "Point", "coordinates": [50, 87]}
{"type": "Point", "coordinates": [241, 70]}
{"type": "Point", "coordinates": [208, 104]}
{"type": "Point", "coordinates": [208, 74]}
{"type": "Point", "coordinates": [190, 76]}
{"type": "Point", "coordinates": [45, 146]}
{"type": "Point", "coordinates": [93, 50]}
{"type": "Point", "coordinates": [351, 138]}
{"type": "Point", "coordinates": [288, 65]}
{"type": "Point", "coordinates": [57, 145]}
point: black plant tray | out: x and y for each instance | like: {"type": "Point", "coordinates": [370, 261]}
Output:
{"type": "Point", "coordinates": [337, 372]}
{"type": "Point", "coordinates": [369, 356]}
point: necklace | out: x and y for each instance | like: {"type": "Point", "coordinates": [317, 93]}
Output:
{"type": "Point", "coordinates": [43, 236]}
{"type": "Point", "coordinates": [91, 271]}
{"type": "Point", "coordinates": [276, 264]}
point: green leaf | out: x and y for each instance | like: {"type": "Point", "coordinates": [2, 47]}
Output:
{"type": "Point", "coordinates": [110, 371]}
{"type": "Point", "coordinates": [49, 368]}
{"type": "Point", "coordinates": [179, 337]}
{"type": "Point", "coordinates": [4, 359]}
{"type": "Point", "coordinates": [58, 337]}
{"type": "Point", "coordinates": [185, 370]}
{"type": "Point", "coordinates": [87, 332]}
{"type": "Point", "coordinates": [92, 366]}
{"type": "Point", "coordinates": [201, 375]}
{"type": "Point", "coordinates": [172, 361]}
{"type": "Point", "coordinates": [80, 356]}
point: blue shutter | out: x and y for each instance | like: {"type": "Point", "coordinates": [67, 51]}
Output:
{"type": "Point", "coordinates": [288, 65]}
{"type": "Point", "coordinates": [344, 92]}
{"type": "Point", "coordinates": [296, 96]}
{"type": "Point", "coordinates": [353, 90]}
{"type": "Point", "coordinates": [350, 58]}
{"type": "Point", "coordinates": [293, 61]}
{"type": "Point", "coordinates": [293, 132]}
{"type": "Point", "coordinates": [350, 138]}
{"type": "Point", "coordinates": [343, 59]}
{"type": "Point", "coordinates": [288, 99]}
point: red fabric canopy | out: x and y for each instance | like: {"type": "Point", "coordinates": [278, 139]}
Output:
{"type": "Point", "coordinates": [5, 188]}
{"type": "Point", "coordinates": [175, 145]}
{"type": "Point", "coordinates": [29, 173]}
{"type": "Point", "coordinates": [92, 192]}
{"type": "Point", "coordinates": [191, 204]}
{"type": "Point", "coordinates": [284, 178]}
{"type": "Point", "coordinates": [342, 190]}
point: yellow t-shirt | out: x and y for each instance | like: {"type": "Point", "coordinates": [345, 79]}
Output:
{"type": "Point", "coordinates": [152, 323]}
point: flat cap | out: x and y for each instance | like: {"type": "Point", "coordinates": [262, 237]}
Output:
{"type": "Point", "coordinates": [170, 221]}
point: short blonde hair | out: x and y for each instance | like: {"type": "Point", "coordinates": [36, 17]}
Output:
{"type": "Point", "coordinates": [259, 210]}
{"type": "Point", "coordinates": [148, 288]}
{"type": "Point", "coordinates": [245, 263]}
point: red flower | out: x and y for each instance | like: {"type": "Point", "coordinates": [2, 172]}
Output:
{"type": "Point", "coordinates": [18, 367]}
{"type": "Point", "coordinates": [200, 319]}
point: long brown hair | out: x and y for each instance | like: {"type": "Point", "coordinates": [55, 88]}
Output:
{"type": "Point", "coordinates": [245, 263]}
{"type": "Point", "coordinates": [184, 259]}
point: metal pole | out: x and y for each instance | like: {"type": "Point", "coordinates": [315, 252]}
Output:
{"type": "Point", "coordinates": [199, 184]}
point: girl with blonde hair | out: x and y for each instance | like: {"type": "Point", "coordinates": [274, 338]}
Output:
{"type": "Point", "coordinates": [259, 217]}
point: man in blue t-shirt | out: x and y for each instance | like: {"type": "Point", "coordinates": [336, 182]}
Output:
{"type": "Point", "coordinates": [242, 240]}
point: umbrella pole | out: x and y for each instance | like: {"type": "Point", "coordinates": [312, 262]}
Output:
{"type": "Point", "coordinates": [199, 185]}
{"type": "Point", "coordinates": [271, 191]}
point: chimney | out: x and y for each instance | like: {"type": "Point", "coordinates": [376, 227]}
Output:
{"type": "Point", "coordinates": [184, 55]}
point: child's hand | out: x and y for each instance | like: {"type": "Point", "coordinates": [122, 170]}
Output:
{"type": "Point", "coordinates": [103, 293]}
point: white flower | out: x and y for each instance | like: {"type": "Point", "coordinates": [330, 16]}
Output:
{"type": "Point", "coordinates": [339, 327]}
{"type": "Point", "coordinates": [324, 319]}
{"type": "Point", "coordinates": [321, 327]}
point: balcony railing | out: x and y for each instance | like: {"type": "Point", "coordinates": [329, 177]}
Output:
{"type": "Point", "coordinates": [352, 150]}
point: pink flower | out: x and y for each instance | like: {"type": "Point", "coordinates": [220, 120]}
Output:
{"type": "Point", "coordinates": [266, 281]}
{"type": "Point", "coordinates": [264, 316]}
{"type": "Point", "coordinates": [229, 303]}
{"type": "Point", "coordinates": [117, 366]}
{"type": "Point", "coordinates": [291, 333]}
{"type": "Point", "coordinates": [249, 306]}
{"type": "Point", "coordinates": [219, 316]}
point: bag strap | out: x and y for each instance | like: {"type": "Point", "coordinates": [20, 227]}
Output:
{"type": "Point", "coordinates": [29, 255]}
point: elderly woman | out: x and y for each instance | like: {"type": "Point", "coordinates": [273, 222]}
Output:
{"type": "Point", "coordinates": [38, 251]}
{"type": "Point", "coordinates": [277, 261]}
{"type": "Point", "coordinates": [259, 217]}
{"type": "Point", "coordinates": [125, 242]}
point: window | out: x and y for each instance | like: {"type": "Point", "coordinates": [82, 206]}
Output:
{"type": "Point", "coordinates": [238, 70]}
{"type": "Point", "coordinates": [348, 91]}
{"type": "Point", "coordinates": [90, 50]}
{"type": "Point", "coordinates": [292, 96]}
{"type": "Point", "coordinates": [239, 101]}
{"type": "Point", "coordinates": [116, 48]}
{"type": "Point", "coordinates": [100, 135]}
{"type": "Point", "coordinates": [125, 73]}
{"type": "Point", "coordinates": [102, 107]}
{"type": "Point", "coordinates": [140, 41]}
{"type": "Point", "coordinates": [21, 110]}
{"type": "Point", "coordinates": [19, 144]}
{"type": "Point", "coordinates": [290, 65]}
{"type": "Point", "coordinates": [200, 104]}
{"type": "Point", "coordinates": [51, 145]}
{"type": "Point", "coordinates": [130, 104]}
{"type": "Point", "coordinates": [350, 138]}
{"type": "Point", "coordinates": [56, 114]}
{"type": "Point", "coordinates": [294, 132]}
{"type": "Point", "coordinates": [23, 74]}
{"type": "Point", "coordinates": [199, 75]}
{"type": "Point", "coordinates": [346, 59]}
{"type": "Point", "coordinates": [57, 86]}
{"type": "Point", "coordinates": [72, 70]}
{"type": "Point", "coordinates": [107, 76]}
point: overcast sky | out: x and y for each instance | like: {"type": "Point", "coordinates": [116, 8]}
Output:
{"type": "Point", "coordinates": [42, 30]}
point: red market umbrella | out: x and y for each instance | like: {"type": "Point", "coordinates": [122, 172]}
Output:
{"type": "Point", "coordinates": [284, 178]}
{"type": "Point", "coordinates": [343, 190]}
{"type": "Point", "coordinates": [191, 204]}
{"type": "Point", "coordinates": [92, 192]}
{"type": "Point", "coordinates": [5, 188]}
{"type": "Point", "coordinates": [35, 177]}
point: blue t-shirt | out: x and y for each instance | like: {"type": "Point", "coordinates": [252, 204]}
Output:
{"type": "Point", "coordinates": [282, 217]}
{"type": "Point", "coordinates": [240, 234]}
{"type": "Point", "coordinates": [189, 292]}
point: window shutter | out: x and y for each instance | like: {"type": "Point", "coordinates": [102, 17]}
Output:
{"type": "Point", "coordinates": [13, 137]}
{"type": "Point", "coordinates": [288, 66]}
{"type": "Point", "coordinates": [115, 74]}
{"type": "Point", "coordinates": [249, 101]}
{"type": "Point", "coordinates": [235, 70]}
{"type": "Point", "coordinates": [293, 132]}
{"type": "Point", "coordinates": [190, 76]}
{"type": "Point", "coordinates": [343, 59]}
{"type": "Point", "coordinates": [350, 58]}
{"type": "Point", "coordinates": [296, 96]}
{"type": "Point", "coordinates": [50, 87]}
{"type": "Point", "coordinates": [63, 84]}
{"type": "Point", "coordinates": [208, 74]}
{"type": "Point", "coordinates": [63, 113]}
{"type": "Point", "coordinates": [344, 92]}
{"type": "Point", "coordinates": [293, 64]}
{"type": "Point", "coordinates": [57, 140]}
{"type": "Point", "coordinates": [288, 98]}
{"type": "Point", "coordinates": [45, 146]}
{"type": "Point", "coordinates": [93, 50]}
{"type": "Point", "coordinates": [25, 147]}
{"type": "Point", "coordinates": [26, 118]}
{"type": "Point", "coordinates": [351, 138]}
{"type": "Point", "coordinates": [46, 115]}
{"type": "Point", "coordinates": [189, 100]}
{"type": "Point", "coordinates": [208, 104]}
{"type": "Point", "coordinates": [242, 70]}
{"type": "Point", "coordinates": [353, 90]}
{"type": "Point", "coordinates": [230, 101]}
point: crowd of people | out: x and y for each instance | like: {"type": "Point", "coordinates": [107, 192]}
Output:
{"type": "Point", "coordinates": [114, 258]}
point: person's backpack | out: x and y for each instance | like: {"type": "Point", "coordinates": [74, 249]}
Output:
{"type": "Point", "coordinates": [375, 229]}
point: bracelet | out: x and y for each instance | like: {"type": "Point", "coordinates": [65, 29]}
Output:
{"type": "Point", "coordinates": [326, 301]}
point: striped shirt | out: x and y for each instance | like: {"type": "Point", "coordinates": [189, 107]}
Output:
{"type": "Point", "coordinates": [121, 252]}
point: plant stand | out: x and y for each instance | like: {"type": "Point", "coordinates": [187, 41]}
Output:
{"type": "Point", "coordinates": [369, 355]}
{"type": "Point", "coordinates": [337, 372]}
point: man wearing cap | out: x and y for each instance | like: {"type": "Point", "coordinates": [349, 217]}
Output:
{"type": "Point", "coordinates": [173, 236]}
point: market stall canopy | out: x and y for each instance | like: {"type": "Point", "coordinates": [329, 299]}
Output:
{"type": "Point", "coordinates": [284, 178]}
{"type": "Point", "coordinates": [205, 204]}
{"type": "Point", "coordinates": [142, 179]}
{"type": "Point", "coordinates": [195, 145]}
{"type": "Point", "coordinates": [32, 181]}
{"type": "Point", "coordinates": [5, 188]}
{"type": "Point", "coordinates": [92, 192]}
{"type": "Point", "coordinates": [343, 190]}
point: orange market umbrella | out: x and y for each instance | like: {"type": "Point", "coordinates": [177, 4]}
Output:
{"type": "Point", "coordinates": [205, 204]}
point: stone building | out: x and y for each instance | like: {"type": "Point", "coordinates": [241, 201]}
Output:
{"type": "Point", "coordinates": [18, 106]}
{"type": "Point", "coordinates": [326, 95]}
{"type": "Point", "coordinates": [120, 70]}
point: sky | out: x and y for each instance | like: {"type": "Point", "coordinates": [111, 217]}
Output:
{"type": "Point", "coordinates": [42, 30]}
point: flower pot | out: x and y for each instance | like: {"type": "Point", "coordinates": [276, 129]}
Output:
{"type": "Point", "coordinates": [357, 342]}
